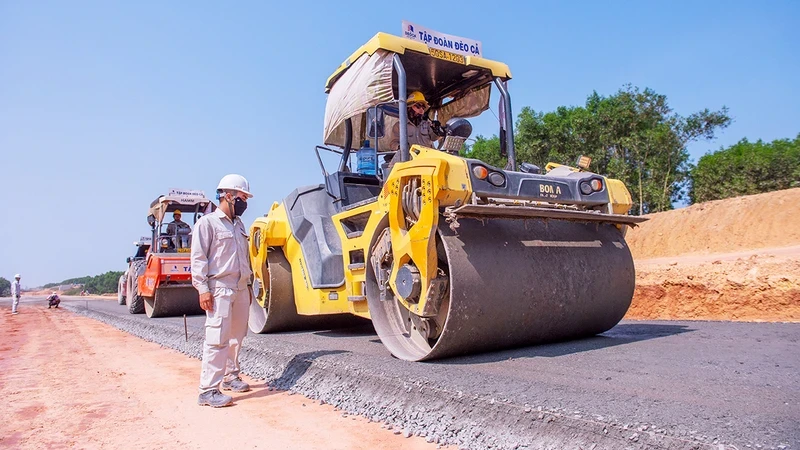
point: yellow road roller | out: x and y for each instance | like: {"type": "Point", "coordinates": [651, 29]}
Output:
{"type": "Point", "coordinates": [445, 255]}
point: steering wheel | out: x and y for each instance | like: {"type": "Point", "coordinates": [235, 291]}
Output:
{"type": "Point", "coordinates": [436, 126]}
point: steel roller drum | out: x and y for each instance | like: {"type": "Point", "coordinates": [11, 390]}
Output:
{"type": "Point", "coordinates": [173, 300]}
{"type": "Point", "coordinates": [516, 282]}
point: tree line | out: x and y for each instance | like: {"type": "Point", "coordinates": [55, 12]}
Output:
{"type": "Point", "coordinates": [747, 168]}
{"type": "Point", "coordinates": [5, 287]}
{"type": "Point", "coordinates": [99, 284]}
{"type": "Point", "coordinates": [635, 136]}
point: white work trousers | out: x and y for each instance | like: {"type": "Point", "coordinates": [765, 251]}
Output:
{"type": "Point", "coordinates": [226, 327]}
{"type": "Point", "coordinates": [15, 304]}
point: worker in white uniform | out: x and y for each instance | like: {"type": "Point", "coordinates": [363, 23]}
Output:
{"type": "Point", "coordinates": [15, 294]}
{"type": "Point", "coordinates": [221, 274]}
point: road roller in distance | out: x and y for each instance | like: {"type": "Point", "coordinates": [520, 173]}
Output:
{"type": "Point", "coordinates": [445, 255]}
{"type": "Point", "coordinates": [161, 283]}
{"type": "Point", "coordinates": [142, 246]}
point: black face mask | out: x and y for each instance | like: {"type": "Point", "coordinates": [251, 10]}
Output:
{"type": "Point", "coordinates": [239, 207]}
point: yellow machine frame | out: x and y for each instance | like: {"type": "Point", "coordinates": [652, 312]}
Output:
{"type": "Point", "coordinates": [426, 275]}
{"type": "Point", "coordinates": [444, 181]}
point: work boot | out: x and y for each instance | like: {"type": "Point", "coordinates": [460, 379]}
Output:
{"type": "Point", "coordinates": [235, 385]}
{"type": "Point", "coordinates": [214, 398]}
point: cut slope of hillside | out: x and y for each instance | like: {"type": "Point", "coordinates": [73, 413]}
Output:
{"type": "Point", "coordinates": [734, 259]}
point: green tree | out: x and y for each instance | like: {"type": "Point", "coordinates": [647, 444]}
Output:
{"type": "Point", "coordinates": [103, 284]}
{"type": "Point", "coordinates": [5, 287]}
{"type": "Point", "coordinates": [746, 168]}
{"type": "Point", "coordinates": [80, 280]}
{"type": "Point", "coordinates": [99, 284]}
{"type": "Point", "coordinates": [632, 135]}
{"type": "Point", "coordinates": [486, 150]}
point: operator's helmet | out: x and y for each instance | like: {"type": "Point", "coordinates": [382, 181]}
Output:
{"type": "Point", "coordinates": [55, 293]}
{"type": "Point", "coordinates": [236, 183]}
{"type": "Point", "coordinates": [17, 276]}
{"type": "Point", "coordinates": [416, 97]}
{"type": "Point", "coordinates": [176, 213]}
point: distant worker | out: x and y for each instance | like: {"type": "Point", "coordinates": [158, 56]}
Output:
{"type": "Point", "coordinates": [420, 130]}
{"type": "Point", "coordinates": [176, 227]}
{"type": "Point", "coordinates": [16, 291]}
{"type": "Point", "coordinates": [53, 300]}
{"type": "Point", "coordinates": [221, 274]}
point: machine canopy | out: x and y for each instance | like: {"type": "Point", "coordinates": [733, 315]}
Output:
{"type": "Point", "coordinates": [185, 201]}
{"type": "Point", "coordinates": [459, 88]}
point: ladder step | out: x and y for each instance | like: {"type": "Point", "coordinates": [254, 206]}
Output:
{"type": "Point", "coordinates": [356, 266]}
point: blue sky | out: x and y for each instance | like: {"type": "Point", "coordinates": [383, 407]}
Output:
{"type": "Point", "coordinates": [104, 105]}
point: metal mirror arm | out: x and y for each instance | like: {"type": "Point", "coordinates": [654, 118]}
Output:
{"type": "Point", "coordinates": [402, 95]}
{"type": "Point", "coordinates": [322, 166]}
{"type": "Point", "coordinates": [512, 157]}
{"type": "Point", "coordinates": [196, 212]}
{"type": "Point", "coordinates": [319, 160]}
{"type": "Point", "coordinates": [348, 144]}
{"type": "Point", "coordinates": [375, 138]}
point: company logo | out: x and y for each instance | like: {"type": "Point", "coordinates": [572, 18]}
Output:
{"type": "Point", "coordinates": [409, 31]}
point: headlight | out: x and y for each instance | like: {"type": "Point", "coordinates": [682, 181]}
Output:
{"type": "Point", "coordinates": [597, 185]}
{"type": "Point", "coordinates": [164, 243]}
{"type": "Point", "coordinates": [497, 178]}
{"type": "Point", "coordinates": [586, 188]}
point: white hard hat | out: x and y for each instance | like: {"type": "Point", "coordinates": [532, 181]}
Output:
{"type": "Point", "coordinates": [235, 182]}
{"type": "Point", "coordinates": [17, 276]}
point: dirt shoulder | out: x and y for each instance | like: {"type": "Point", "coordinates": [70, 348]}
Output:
{"type": "Point", "coordinates": [735, 259]}
{"type": "Point", "coordinates": [72, 382]}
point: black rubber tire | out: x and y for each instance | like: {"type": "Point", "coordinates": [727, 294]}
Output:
{"type": "Point", "coordinates": [123, 280]}
{"type": "Point", "coordinates": [135, 301]}
{"type": "Point", "coordinates": [281, 313]}
{"type": "Point", "coordinates": [129, 283]}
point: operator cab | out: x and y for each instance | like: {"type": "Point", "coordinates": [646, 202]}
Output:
{"type": "Point", "coordinates": [366, 128]}
{"type": "Point", "coordinates": [172, 216]}
{"type": "Point", "coordinates": [367, 119]}
{"type": "Point", "coordinates": [174, 236]}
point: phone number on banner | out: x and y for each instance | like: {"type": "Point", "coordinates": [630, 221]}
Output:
{"type": "Point", "coordinates": [447, 56]}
